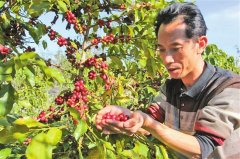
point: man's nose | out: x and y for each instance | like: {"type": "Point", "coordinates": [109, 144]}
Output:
{"type": "Point", "coordinates": [168, 58]}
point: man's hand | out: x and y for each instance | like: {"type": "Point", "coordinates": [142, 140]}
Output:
{"type": "Point", "coordinates": [128, 127]}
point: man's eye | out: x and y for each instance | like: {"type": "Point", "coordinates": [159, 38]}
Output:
{"type": "Point", "coordinates": [175, 49]}
{"type": "Point", "coordinates": [161, 50]}
{"type": "Point", "coordinates": [178, 48]}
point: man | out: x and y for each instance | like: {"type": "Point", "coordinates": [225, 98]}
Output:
{"type": "Point", "coordinates": [198, 108]}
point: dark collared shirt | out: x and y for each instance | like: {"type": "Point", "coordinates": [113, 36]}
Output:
{"type": "Point", "coordinates": [209, 109]}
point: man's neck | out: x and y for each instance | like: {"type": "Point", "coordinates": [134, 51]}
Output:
{"type": "Point", "coordinates": [192, 77]}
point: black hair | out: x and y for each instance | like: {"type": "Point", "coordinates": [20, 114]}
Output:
{"type": "Point", "coordinates": [192, 18]}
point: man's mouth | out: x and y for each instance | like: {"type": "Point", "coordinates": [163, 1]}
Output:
{"type": "Point", "coordinates": [172, 69]}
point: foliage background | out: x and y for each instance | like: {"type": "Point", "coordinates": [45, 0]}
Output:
{"type": "Point", "coordinates": [30, 84]}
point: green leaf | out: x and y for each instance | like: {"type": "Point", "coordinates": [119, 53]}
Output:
{"type": "Point", "coordinates": [13, 133]}
{"type": "Point", "coordinates": [67, 2]}
{"type": "Point", "coordinates": [6, 68]}
{"type": "Point", "coordinates": [108, 145]}
{"type": "Point", "coordinates": [24, 104]}
{"type": "Point", "coordinates": [158, 153]}
{"type": "Point", "coordinates": [5, 153]}
{"type": "Point", "coordinates": [44, 44]}
{"type": "Point", "coordinates": [130, 29]}
{"type": "Point", "coordinates": [116, 62]}
{"type": "Point", "coordinates": [6, 99]}
{"type": "Point", "coordinates": [6, 71]}
{"type": "Point", "coordinates": [29, 122]}
{"type": "Point", "coordinates": [121, 100]}
{"type": "Point", "coordinates": [53, 136]}
{"type": "Point", "coordinates": [80, 130]}
{"type": "Point", "coordinates": [34, 34]}
{"type": "Point", "coordinates": [118, 1]}
{"type": "Point", "coordinates": [164, 152]}
{"type": "Point", "coordinates": [2, 3]}
{"type": "Point", "coordinates": [39, 148]}
{"type": "Point", "coordinates": [29, 76]}
{"type": "Point", "coordinates": [74, 113]}
{"type": "Point", "coordinates": [94, 153]}
{"type": "Point", "coordinates": [62, 6]}
{"type": "Point", "coordinates": [38, 32]}
{"type": "Point", "coordinates": [110, 154]}
{"type": "Point", "coordinates": [4, 20]}
{"type": "Point", "coordinates": [54, 73]}
{"type": "Point", "coordinates": [28, 56]}
{"type": "Point", "coordinates": [151, 67]}
{"type": "Point", "coordinates": [41, 64]}
{"type": "Point", "coordinates": [141, 149]}
{"type": "Point", "coordinates": [6, 78]}
{"type": "Point", "coordinates": [38, 7]}
{"type": "Point", "coordinates": [4, 122]}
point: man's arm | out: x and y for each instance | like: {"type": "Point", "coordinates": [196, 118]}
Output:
{"type": "Point", "coordinates": [178, 141]}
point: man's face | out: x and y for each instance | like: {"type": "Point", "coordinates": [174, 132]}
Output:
{"type": "Point", "coordinates": [178, 53]}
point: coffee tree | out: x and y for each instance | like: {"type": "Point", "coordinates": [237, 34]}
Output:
{"type": "Point", "coordinates": [112, 60]}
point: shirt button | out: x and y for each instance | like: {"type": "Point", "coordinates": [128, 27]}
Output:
{"type": "Point", "coordinates": [182, 104]}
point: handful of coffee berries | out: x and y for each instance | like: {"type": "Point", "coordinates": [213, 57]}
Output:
{"type": "Point", "coordinates": [120, 117]}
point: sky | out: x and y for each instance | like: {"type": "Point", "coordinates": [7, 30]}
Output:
{"type": "Point", "coordinates": [222, 18]}
{"type": "Point", "coordinates": [223, 21]}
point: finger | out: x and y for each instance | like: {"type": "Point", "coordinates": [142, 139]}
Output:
{"type": "Point", "coordinates": [104, 111]}
{"type": "Point", "coordinates": [99, 126]}
{"type": "Point", "coordinates": [108, 132]}
{"type": "Point", "coordinates": [129, 123]}
{"type": "Point", "coordinates": [114, 123]}
{"type": "Point", "coordinates": [112, 130]}
{"type": "Point", "coordinates": [117, 127]}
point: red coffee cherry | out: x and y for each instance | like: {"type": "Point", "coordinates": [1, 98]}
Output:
{"type": "Point", "coordinates": [120, 117]}
{"type": "Point", "coordinates": [92, 75]}
{"type": "Point", "coordinates": [59, 100]}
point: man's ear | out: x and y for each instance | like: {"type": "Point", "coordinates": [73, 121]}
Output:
{"type": "Point", "coordinates": [202, 43]}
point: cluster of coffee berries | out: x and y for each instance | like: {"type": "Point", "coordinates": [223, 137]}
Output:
{"type": "Point", "coordinates": [78, 95]}
{"type": "Point", "coordinates": [101, 68]}
{"type": "Point", "coordinates": [14, 32]}
{"type": "Point", "coordinates": [27, 141]}
{"type": "Point", "coordinates": [92, 75]}
{"type": "Point", "coordinates": [123, 6]}
{"type": "Point", "coordinates": [71, 18]}
{"type": "Point", "coordinates": [29, 49]}
{"type": "Point", "coordinates": [62, 41]}
{"type": "Point", "coordinates": [106, 39]}
{"type": "Point", "coordinates": [120, 117]}
{"type": "Point", "coordinates": [143, 5]}
{"type": "Point", "coordinates": [4, 50]}
{"type": "Point", "coordinates": [59, 100]}
{"type": "Point", "coordinates": [75, 97]}
{"type": "Point", "coordinates": [124, 38]}
{"type": "Point", "coordinates": [52, 34]}
{"type": "Point", "coordinates": [111, 39]}
{"type": "Point", "coordinates": [102, 23]}
{"type": "Point", "coordinates": [50, 115]}
{"type": "Point", "coordinates": [70, 50]}
{"type": "Point", "coordinates": [95, 41]}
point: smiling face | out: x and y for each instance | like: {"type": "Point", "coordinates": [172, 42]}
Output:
{"type": "Point", "coordinates": [180, 55]}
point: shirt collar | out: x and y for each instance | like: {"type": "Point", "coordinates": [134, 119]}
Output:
{"type": "Point", "coordinates": [201, 82]}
